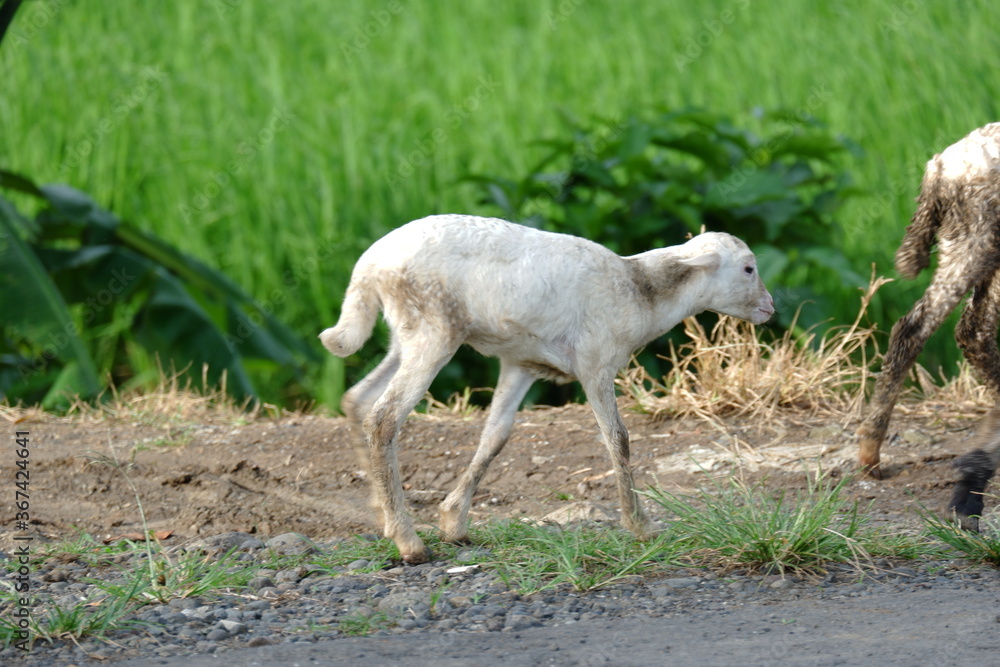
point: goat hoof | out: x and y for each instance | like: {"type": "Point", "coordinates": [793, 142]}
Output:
{"type": "Point", "coordinates": [871, 468]}
{"type": "Point", "coordinates": [874, 472]}
{"type": "Point", "coordinates": [968, 523]}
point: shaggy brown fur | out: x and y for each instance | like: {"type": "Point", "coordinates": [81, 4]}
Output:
{"type": "Point", "coordinates": [959, 209]}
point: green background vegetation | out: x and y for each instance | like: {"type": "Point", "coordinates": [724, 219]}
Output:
{"type": "Point", "coordinates": [275, 141]}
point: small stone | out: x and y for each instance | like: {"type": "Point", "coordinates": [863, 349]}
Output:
{"type": "Point", "coordinates": [473, 554]}
{"type": "Point", "coordinates": [460, 601]}
{"type": "Point", "coordinates": [292, 544]}
{"type": "Point", "coordinates": [184, 603]}
{"type": "Point", "coordinates": [220, 544]}
{"type": "Point", "coordinates": [259, 641]}
{"type": "Point", "coordinates": [919, 438]}
{"type": "Point", "coordinates": [293, 575]}
{"type": "Point", "coordinates": [781, 584]}
{"type": "Point", "coordinates": [54, 575]}
{"type": "Point", "coordinates": [495, 624]}
{"type": "Point", "coordinates": [252, 545]}
{"type": "Point", "coordinates": [357, 564]}
{"type": "Point", "coordinates": [257, 583]}
{"type": "Point", "coordinates": [828, 433]}
{"type": "Point", "coordinates": [682, 582]}
{"type": "Point", "coordinates": [577, 512]}
{"type": "Point", "coordinates": [218, 634]}
{"type": "Point", "coordinates": [518, 622]}
{"type": "Point", "coordinates": [364, 611]}
{"type": "Point", "coordinates": [233, 627]}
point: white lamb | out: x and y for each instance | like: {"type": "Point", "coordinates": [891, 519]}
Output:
{"type": "Point", "coordinates": [548, 305]}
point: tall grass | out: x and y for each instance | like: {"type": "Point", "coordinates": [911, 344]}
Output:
{"type": "Point", "coordinates": [276, 140]}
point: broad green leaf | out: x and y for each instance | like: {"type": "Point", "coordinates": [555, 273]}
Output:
{"type": "Point", "coordinates": [9, 179]}
{"type": "Point", "coordinates": [173, 325]}
{"type": "Point", "coordinates": [34, 309]}
{"type": "Point", "coordinates": [835, 261]}
{"type": "Point", "coordinates": [771, 261]}
{"type": "Point", "coordinates": [746, 187]}
{"type": "Point", "coordinates": [71, 382]}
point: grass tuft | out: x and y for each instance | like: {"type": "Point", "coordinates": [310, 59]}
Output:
{"type": "Point", "coordinates": [735, 525]}
{"type": "Point", "coordinates": [532, 557]}
{"type": "Point", "coordinates": [983, 547]}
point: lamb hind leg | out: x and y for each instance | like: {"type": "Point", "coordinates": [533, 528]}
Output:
{"type": "Point", "coordinates": [381, 427]}
{"type": "Point", "coordinates": [906, 341]}
{"type": "Point", "coordinates": [513, 384]}
{"type": "Point", "coordinates": [357, 403]}
{"type": "Point", "coordinates": [359, 399]}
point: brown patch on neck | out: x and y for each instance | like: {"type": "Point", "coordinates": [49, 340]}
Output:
{"type": "Point", "coordinates": [660, 283]}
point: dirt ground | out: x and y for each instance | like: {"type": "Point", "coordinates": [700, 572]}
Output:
{"type": "Point", "coordinates": [300, 473]}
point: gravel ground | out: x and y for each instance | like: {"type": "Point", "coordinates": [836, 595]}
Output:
{"type": "Point", "coordinates": [440, 599]}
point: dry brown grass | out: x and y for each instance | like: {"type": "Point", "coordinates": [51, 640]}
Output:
{"type": "Point", "coordinates": [962, 394]}
{"type": "Point", "coordinates": [722, 373]}
{"type": "Point", "coordinates": [174, 400]}
{"type": "Point", "coordinates": [729, 371]}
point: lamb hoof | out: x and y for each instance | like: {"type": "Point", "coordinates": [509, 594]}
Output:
{"type": "Point", "coordinates": [417, 557]}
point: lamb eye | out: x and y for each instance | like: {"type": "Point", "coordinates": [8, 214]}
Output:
{"type": "Point", "coordinates": [749, 270]}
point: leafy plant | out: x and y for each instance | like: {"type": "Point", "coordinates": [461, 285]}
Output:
{"type": "Point", "coordinates": [643, 183]}
{"type": "Point", "coordinates": [89, 299]}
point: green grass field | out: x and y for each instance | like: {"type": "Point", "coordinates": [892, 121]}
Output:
{"type": "Point", "coordinates": [276, 140]}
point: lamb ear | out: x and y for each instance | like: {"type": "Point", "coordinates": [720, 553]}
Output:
{"type": "Point", "coordinates": [707, 260]}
